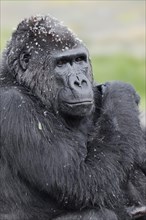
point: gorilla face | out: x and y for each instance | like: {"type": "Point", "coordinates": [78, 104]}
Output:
{"type": "Point", "coordinates": [73, 77]}
{"type": "Point", "coordinates": [54, 64]}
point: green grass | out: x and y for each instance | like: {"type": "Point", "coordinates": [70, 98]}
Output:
{"type": "Point", "coordinates": [5, 35]}
{"type": "Point", "coordinates": [121, 67]}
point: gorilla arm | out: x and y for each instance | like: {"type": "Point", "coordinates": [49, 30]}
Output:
{"type": "Point", "coordinates": [119, 120]}
{"type": "Point", "coordinates": [39, 157]}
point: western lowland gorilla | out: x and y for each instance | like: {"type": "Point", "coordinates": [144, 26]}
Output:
{"type": "Point", "coordinates": [69, 148]}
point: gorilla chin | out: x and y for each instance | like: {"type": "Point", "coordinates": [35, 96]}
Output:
{"type": "Point", "coordinates": [78, 108]}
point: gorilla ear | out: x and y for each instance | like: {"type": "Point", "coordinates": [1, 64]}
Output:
{"type": "Point", "coordinates": [24, 60]}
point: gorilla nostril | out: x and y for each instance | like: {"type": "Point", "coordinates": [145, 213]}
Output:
{"type": "Point", "coordinates": [84, 83]}
{"type": "Point", "coordinates": [76, 83]}
{"type": "Point", "coordinates": [80, 83]}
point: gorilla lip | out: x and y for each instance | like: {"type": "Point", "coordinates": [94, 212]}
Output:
{"type": "Point", "coordinates": [87, 102]}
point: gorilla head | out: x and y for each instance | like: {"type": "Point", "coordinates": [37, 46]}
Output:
{"type": "Point", "coordinates": [49, 60]}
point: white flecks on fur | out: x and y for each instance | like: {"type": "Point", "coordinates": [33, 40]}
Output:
{"type": "Point", "coordinates": [45, 113]}
{"type": "Point", "coordinates": [39, 125]}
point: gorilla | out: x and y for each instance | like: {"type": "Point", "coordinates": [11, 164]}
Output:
{"type": "Point", "coordinates": [70, 149]}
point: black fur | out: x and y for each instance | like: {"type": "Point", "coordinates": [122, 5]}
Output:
{"type": "Point", "coordinates": [65, 161]}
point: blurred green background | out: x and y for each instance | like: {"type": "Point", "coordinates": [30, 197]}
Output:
{"type": "Point", "coordinates": [113, 31]}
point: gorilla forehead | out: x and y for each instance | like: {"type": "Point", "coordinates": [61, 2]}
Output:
{"type": "Point", "coordinates": [46, 30]}
{"type": "Point", "coordinates": [77, 51]}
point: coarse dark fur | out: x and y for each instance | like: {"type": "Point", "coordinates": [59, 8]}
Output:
{"type": "Point", "coordinates": [69, 149]}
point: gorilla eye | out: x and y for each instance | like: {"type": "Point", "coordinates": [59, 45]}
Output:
{"type": "Point", "coordinates": [24, 60]}
{"type": "Point", "coordinates": [61, 62]}
{"type": "Point", "coordinates": [80, 59]}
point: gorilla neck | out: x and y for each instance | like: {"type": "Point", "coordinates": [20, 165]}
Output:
{"type": "Point", "coordinates": [73, 121]}
{"type": "Point", "coordinates": [77, 123]}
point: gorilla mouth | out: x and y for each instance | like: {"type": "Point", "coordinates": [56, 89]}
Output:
{"type": "Point", "coordinates": [77, 107]}
{"type": "Point", "coordinates": [78, 103]}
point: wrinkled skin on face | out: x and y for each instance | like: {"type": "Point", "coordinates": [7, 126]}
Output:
{"type": "Point", "coordinates": [73, 76]}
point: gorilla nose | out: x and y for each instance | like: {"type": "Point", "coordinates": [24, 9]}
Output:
{"type": "Point", "coordinates": [81, 88]}
{"type": "Point", "coordinates": [79, 82]}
